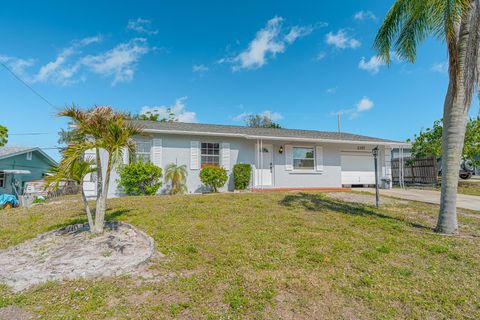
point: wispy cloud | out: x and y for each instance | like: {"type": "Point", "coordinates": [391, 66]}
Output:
{"type": "Point", "coordinates": [61, 70]}
{"type": "Point", "coordinates": [17, 65]}
{"type": "Point", "coordinates": [364, 15]}
{"type": "Point", "coordinates": [200, 68]}
{"type": "Point", "coordinates": [341, 40]}
{"type": "Point", "coordinates": [320, 56]}
{"type": "Point", "coordinates": [441, 67]}
{"type": "Point", "coordinates": [141, 26]}
{"type": "Point", "coordinates": [268, 42]}
{"type": "Point", "coordinates": [178, 109]}
{"type": "Point", "coordinates": [119, 62]}
{"type": "Point", "coordinates": [372, 65]}
{"type": "Point", "coordinates": [331, 90]}
{"type": "Point", "coordinates": [362, 106]}
{"type": "Point", "coordinates": [274, 116]}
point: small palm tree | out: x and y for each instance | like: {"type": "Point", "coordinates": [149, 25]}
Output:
{"type": "Point", "coordinates": [177, 176]}
{"type": "Point", "coordinates": [75, 172]}
{"type": "Point", "coordinates": [110, 134]}
{"type": "Point", "coordinates": [457, 22]}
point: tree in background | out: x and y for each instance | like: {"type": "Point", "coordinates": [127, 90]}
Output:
{"type": "Point", "coordinates": [150, 116]}
{"type": "Point", "coordinates": [457, 22]}
{"type": "Point", "coordinates": [3, 135]}
{"type": "Point", "coordinates": [261, 121]}
{"type": "Point", "coordinates": [177, 177]}
{"type": "Point", "coordinates": [429, 142]}
{"type": "Point", "coordinates": [107, 132]}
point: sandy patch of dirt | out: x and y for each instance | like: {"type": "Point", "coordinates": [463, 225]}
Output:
{"type": "Point", "coordinates": [72, 253]}
{"type": "Point", "coordinates": [15, 313]}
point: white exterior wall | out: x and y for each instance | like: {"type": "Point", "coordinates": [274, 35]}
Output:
{"type": "Point", "coordinates": [177, 149]}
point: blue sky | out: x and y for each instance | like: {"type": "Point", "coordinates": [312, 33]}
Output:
{"type": "Point", "coordinates": [214, 62]}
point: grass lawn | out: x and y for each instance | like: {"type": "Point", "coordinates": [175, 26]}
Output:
{"type": "Point", "coordinates": [468, 187]}
{"type": "Point", "coordinates": [275, 255]}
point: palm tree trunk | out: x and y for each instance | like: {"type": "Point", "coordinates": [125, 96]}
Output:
{"type": "Point", "coordinates": [87, 209]}
{"type": "Point", "coordinates": [455, 116]}
{"type": "Point", "coordinates": [102, 199]}
{"type": "Point", "coordinates": [454, 125]}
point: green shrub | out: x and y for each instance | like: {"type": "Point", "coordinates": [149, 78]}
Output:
{"type": "Point", "coordinates": [140, 178]}
{"type": "Point", "coordinates": [213, 177]}
{"type": "Point", "coordinates": [241, 175]}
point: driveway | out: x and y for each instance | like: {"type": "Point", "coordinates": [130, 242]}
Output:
{"type": "Point", "coordinates": [429, 196]}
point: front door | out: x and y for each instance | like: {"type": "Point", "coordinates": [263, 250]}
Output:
{"type": "Point", "coordinates": [264, 172]}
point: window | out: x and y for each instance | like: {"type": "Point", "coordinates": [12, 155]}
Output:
{"type": "Point", "coordinates": [29, 156]}
{"type": "Point", "coordinates": [143, 150]}
{"type": "Point", "coordinates": [210, 154]}
{"type": "Point", "coordinates": [2, 179]}
{"type": "Point", "coordinates": [303, 158]}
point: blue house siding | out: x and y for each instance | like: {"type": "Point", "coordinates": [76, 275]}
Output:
{"type": "Point", "coordinates": [38, 166]}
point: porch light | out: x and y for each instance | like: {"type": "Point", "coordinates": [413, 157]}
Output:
{"type": "Point", "coordinates": [280, 150]}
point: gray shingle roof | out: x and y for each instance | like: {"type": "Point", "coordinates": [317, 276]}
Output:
{"type": "Point", "coordinates": [6, 151]}
{"type": "Point", "coordinates": [258, 132]}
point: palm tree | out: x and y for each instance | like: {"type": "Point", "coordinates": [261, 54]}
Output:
{"type": "Point", "coordinates": [110, 134]}
{"type": "Point", "coordinates": [76, 171]}
{"type": "Point", "coordinates": [457, 22]}
{"type": "Point", "coordinates": [177, 175]}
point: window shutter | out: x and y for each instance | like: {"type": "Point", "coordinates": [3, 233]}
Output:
{"type": "Point", "coordinates": [125, 156]}
{"type": "Point", "coordinates": [194, 155]}
{"type": "Point", "coordinates": [319, 158]}
{"type": "Point", "coordinates": [288, 158]}
{"type": "Point", "coordinates": [156, 152]}
{"type": "Point", "coordinates": [89, 155]}
{"type": "Point", "coordinates": [226, 155]}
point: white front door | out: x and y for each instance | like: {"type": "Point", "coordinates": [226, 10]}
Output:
{"type": "Point", "coordinates": [357, 168]}
{"type": "Point", "coordinates": [264, 172]}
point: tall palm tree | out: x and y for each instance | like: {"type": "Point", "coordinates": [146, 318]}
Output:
{"type": "Point", "coordinates": [76, 171]}
{"type": "Point", "coordinates": [110, 134]}
{"type": "Point", "coordinates": [177, 175]}
{"type": "Point", "coordinates": [457, 22]}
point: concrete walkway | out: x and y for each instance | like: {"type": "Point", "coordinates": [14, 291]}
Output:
{"type": "Point", "coordinates": [429, 196]}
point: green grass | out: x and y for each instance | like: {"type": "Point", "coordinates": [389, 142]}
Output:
{"type": "Point", "coordinates": [468, 187]}
{"type": "Point", "coordinates": [267, 256]}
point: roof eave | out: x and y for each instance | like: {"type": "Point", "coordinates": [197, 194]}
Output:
{"type": "Point", "coordinates": [253, 137]}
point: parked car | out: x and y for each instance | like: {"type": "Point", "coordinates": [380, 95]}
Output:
{"type": "Point", "coordinates": [466, 170]}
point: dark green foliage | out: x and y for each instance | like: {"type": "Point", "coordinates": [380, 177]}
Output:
{"type": "Point", "coordinates": [3, 135]}
{"type": "Point", "coordinates": [241, 175]}
{"type": "Point", "coordinates": [429, 142]}
{"type": "Point", "coordinates": [140, 178]}
{"type": "Point", "coordinates": [261, 121]}
{"type": "Point", "coordinates": [214, 177]}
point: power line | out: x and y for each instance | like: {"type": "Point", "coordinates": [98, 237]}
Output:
{"type": "Point", "coordinates": [26, 84]}
{"type": "Point", "coordinates": [30, 133]}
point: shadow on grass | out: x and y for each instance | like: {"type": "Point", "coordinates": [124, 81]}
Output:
{"type": "Point", "coordinates": [109, 216]}
{"type": "Point", "coordinates": [316, 202]}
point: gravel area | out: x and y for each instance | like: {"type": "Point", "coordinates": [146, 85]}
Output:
{"type": "Point", "coordinates": [361, 198]}
{"type": "Point", "coordinates": [72, 253]}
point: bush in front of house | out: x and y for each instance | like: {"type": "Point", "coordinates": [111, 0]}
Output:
{"type": "Point", "coordinates": [241, 175]}
{"type": "Point", "coordinates": [140, 178]}
{"type": "Point", "coordinates": [214, 177]}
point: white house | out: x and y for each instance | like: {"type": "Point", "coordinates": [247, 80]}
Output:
{"type": "Point", "coordinates": [280, 158]}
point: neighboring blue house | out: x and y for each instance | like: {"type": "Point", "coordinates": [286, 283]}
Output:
{"type": "Point", "coordinates": [21, 164]}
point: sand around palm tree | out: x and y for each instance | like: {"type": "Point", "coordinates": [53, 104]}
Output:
{"type": "Point", "coordinates": [72, 253]}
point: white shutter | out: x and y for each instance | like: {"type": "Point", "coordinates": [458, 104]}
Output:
{"type": "Point", "coordinates": [90, 155]}
{"type": "Point", "coordinates": [319, 158]}
{"type": "Point", "coordinates": [194, 155]}
{"type": "Point", "coordinates": [125, 155]}
{"type": "Point", "coordinates": [156, 152]}
{"type": "Point", "coordinates": [226, 155]}
{"type": "Point", "coordinates": [288, 158]}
